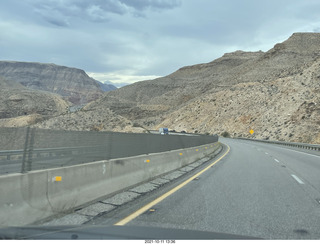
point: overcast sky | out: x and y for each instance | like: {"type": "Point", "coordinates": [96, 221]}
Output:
{"type": "Point", "coordinates": [131, 40]}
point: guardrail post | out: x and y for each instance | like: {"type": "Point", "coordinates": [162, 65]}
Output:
{"type": "Point", "coordinates": [108, 153]}
{"type": "Point", "coordinates": [28, 151]}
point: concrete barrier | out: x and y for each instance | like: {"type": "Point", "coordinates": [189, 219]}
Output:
{"type": "Point", "coordinates": [26, 198]}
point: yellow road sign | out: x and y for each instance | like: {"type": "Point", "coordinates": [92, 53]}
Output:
{"type": "Point", "coordinates": [251, 132]}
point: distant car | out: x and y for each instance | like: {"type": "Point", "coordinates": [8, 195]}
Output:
{"type": "Point", "coordinates": [164, 131]}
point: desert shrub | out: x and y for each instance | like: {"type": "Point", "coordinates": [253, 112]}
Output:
{"type": "Point", "coordinates": [135, 124]}
{"type": "Point", "coordinates": [225, 134]}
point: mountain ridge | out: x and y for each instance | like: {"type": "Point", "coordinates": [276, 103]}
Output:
{"type": "Point", "coordinates": [155, 103]}
{"type": "Point", "coordinates": [275, 93]}
{"type": "Point", "coordinates": [71, 83]}
{"type": "Point", "coordinates": [17, 100]}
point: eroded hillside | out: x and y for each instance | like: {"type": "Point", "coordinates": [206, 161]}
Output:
{"type": "Point", "coordinates": [283, 109]}
{"type": "Point", "coordinates": [275, 93]}
{"type": "Point", "coordinates": [72, 84]}
{"type": "Point", "coordinates": [20, 106]}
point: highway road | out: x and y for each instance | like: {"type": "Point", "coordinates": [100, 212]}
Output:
{"type": "Point", "coordinates": [256, 189]}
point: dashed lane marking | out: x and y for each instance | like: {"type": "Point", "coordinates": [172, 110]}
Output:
{"type": "Point", "coordinates": [297, 179]}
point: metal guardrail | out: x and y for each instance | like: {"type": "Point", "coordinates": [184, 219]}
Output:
{"type": "Point", "coordinates": [27, 149]}
{"type": "Point", "coordinates": [46, 152]}
{"type": "Point", "coordinates": [14, 161]}
{"type": "Point", "coordinates": [315, 147]}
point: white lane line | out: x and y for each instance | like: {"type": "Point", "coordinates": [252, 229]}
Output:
{"type": "Point", "coordinates": [297, 179]}
{"type": "Point", "coordinates": [266, 153]}
{"type": "Point", "coordinates": [277, 160]}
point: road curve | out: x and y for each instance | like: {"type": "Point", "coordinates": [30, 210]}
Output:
{"type": "Point", "coordinates": [259, 190]}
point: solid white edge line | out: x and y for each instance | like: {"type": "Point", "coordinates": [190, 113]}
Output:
{"type": "Point", "coordinates": [297, 179]}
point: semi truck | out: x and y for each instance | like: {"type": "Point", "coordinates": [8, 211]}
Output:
{"type": "Point", "coordinates": [164, 131]}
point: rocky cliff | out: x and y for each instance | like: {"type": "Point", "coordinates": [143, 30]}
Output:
{"type": "Point", "coordinates": [27, 104]}
{"type": "Point", "coordinates": [72, 84]}
{"type": "Point", "coordinates": [285, 59]}
{"type": "Point", "coordinates": [275, 93]}
{"type": "Point", "coordinates": [282, 109]}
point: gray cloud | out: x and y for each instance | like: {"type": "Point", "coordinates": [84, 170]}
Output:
{"type": "Point", "coordinates": [141, 5]}
{"type": "Point", "coordinates": [59, 12]}
{"type": "Point", "coordinates": [109, 36]}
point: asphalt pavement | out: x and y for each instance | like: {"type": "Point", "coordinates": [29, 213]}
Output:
{"type": "Point", "coordinates": [256, 189]}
